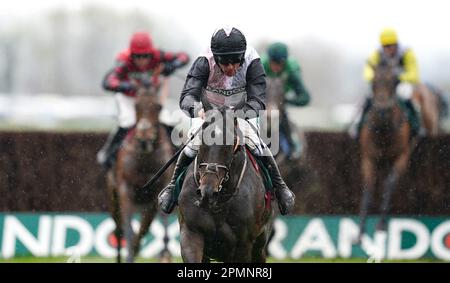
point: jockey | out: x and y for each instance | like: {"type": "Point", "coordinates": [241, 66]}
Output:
{"type": "Point", "coordinates": [229, 65]}
{"type": "Point", "coordinates": [135, 64]}
{"type": "Point", "coordinates": [394, 54]}
{"type": "Point", "coordinates": [278, 64]}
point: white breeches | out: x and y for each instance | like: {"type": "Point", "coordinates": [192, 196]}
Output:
{"type": "Point", "coordinates": [126, 108]}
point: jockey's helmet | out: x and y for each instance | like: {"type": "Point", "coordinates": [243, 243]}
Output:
{"type": "Point", "coordinates": [388, 37]}
{"type": "Point", "coordinates": [141, 44]}
{"type": "Point", "coordinates": [228, 45]}
{"type": "Point", "coordinates": [278, 52]}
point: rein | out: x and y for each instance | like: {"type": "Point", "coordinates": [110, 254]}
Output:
{"type": "Point", "coordinates": [213, 168]}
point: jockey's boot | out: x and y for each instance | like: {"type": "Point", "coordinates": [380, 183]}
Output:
{"type": "Point", "coordinates": [166, 200]}
{"type": "Point", "coordinates": [107, 155]}
{"type": "Point", "coordinates": [414, 117]}
{"type": "Point", "coordinates": [285, 197]}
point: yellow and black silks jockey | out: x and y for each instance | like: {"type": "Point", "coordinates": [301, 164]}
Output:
{"type": "Point", "coordinates": [393, 54]}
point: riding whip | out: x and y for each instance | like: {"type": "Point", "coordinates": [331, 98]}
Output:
{"type": "Point", "coordinates": [158, 174]}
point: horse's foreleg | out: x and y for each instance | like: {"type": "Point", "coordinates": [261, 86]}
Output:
{"type": "Point", "coordinates": [368, 172]}
{"type": "Point", "coordinates": [127, 216]}
{"type": "Point", "coordinates": [399, 169]}
{"type": "Point", "coordinates": [259, 252]}
{"type": "Point", "coordinates": [165, 254]}
{"type": "Point", "coordinates": [192, 245]}
{"type": "Point", "coordinates": [115, 213]}
{"type": "Point", "coordinates": [389, 186]}
{"type": "Point", "coordinates": [118, 232]}
{"type": "Point", "coordinates": [243, 252]}
{"type": "Point", "coordinates": [391, 181]}
{"type": "Point", "coordinates": [147, 216]}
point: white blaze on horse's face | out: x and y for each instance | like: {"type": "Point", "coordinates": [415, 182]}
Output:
{"type": "Point", "coordinates": [145, 130]}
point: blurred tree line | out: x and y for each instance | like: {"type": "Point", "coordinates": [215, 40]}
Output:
{"type": "Point", "coordinates": [68, 52]}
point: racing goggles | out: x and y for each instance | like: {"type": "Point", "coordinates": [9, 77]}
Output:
{"type": "Point", "coordinates": [230, 59]}
{"type": "Point", "coordinates": [142, 56]}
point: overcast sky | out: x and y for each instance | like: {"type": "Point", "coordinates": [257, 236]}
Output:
{"type": "Point", "coordinates": [352, 25]}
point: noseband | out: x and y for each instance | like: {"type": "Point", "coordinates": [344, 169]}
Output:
{"type": "Point", "coordinates": [213, 168]}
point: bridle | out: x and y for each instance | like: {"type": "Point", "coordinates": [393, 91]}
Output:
{"type": "Point", "coordinates": [155, 128]}
{"type": "Point", "coordinates": [380, 109]}
{"type": "Point", "coordinates": [212, 168]}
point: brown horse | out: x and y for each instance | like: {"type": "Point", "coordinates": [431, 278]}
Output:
{"type": "Point", "coordinates": [225, 214]}
{"type": "Point", "coordinates": [385, 139]}
{"type": "Point", "coordinates": [143, 152]}
{"type": "Point", "coordinates": [292, 167]}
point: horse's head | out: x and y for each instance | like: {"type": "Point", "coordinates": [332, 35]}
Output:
{"type": "Point", "coordinates": [147, 114]}
{"type": "Point", "coordinates": [385, 113]}
{"type": "Point", "coordinates": [383, 86]}
{"type": "Point", "coordinates": [220, 142]}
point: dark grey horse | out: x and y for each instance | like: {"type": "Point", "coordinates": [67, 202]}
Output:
{"type": "Point", "coordinates": [223, 210]}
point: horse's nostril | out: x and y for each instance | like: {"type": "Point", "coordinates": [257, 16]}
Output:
{"type": "Point", "coordinates": [199, 192]}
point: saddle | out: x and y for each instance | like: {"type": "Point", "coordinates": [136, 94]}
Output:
{"type": "Point", "coordinates": [264, 172]}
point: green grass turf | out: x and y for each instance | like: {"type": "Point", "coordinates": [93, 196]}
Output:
{"type": "Point", "coordinates": [92, 259]}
